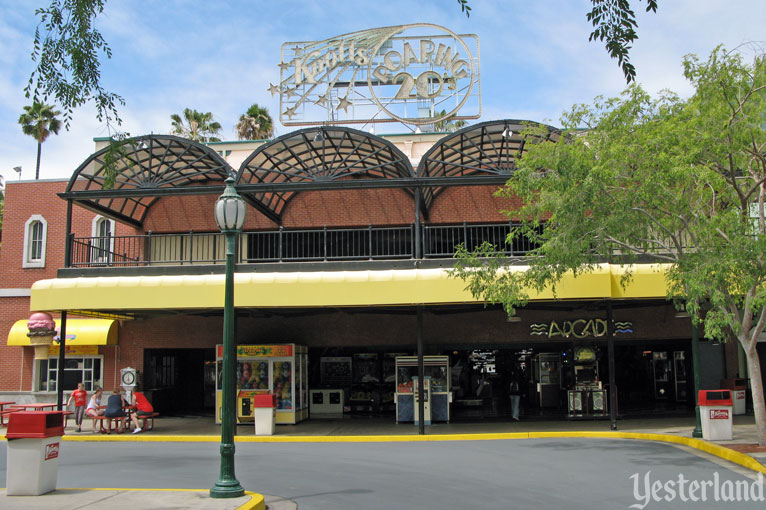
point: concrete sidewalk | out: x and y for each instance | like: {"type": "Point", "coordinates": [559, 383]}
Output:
{"type": "Point", "coordinates": [75, 499]}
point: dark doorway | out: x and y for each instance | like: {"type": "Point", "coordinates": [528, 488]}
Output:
{"type": "Point", "coordinates": [175, 381]}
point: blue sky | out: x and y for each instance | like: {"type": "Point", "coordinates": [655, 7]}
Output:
{"type": "Point", "coordinates": [536, 61]}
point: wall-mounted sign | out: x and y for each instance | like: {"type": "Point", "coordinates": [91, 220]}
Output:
{"type": "Point", "coordinates": [259, 351]}
{"type": "Point", "coordinates": [579, 328]}
{"type": "Point", "coordinates": [417, 74]}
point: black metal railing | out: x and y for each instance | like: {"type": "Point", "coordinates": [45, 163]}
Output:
{"type": "Point", "coordinates": [291, 245]}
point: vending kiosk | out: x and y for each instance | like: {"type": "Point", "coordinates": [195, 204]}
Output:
{"type": "Point", "coordinates": [437, 375]}
{"type": "Point", "coordinates": [281, 370]}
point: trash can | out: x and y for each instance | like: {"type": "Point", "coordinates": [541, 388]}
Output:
{"type": "Point", "coordinates": [34, 438]}
{"type": "Point", "coordinates": [738, 389]}
{"type": "Point", "coordinates": [716, 412]}
{"type": "Point", "coordinates": [264, 411]}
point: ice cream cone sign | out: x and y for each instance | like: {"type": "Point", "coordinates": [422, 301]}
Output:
{"type": "Point", "coordinates": [42, 329]}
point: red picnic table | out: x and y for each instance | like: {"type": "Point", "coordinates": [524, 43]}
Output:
{"type": "Point", "coordinates": [4, 413]}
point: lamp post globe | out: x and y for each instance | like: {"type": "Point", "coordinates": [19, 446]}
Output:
{"type": "Point", "coordinates": [230, 217]}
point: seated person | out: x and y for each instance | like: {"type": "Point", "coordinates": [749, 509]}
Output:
{"type": "Point", "coordinates": [93, 406]}
{"type": "Point", "coordinates": [143, 408]}
{"type": "Point", "coordinates": [114, 408]}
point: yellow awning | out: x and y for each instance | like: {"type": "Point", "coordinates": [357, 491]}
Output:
{"type": "Point", "coordinates": [320, 288]}
{"type": "Point", "coordinates": [78, 332]}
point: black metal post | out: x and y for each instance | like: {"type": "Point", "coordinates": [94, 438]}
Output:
{"type": "Point", "coordinates": [418, 252]}
{"type": "Point", "coordinates": [62, 359]}
{"type": "Point", "coordinates": [610, 354]}
{"type": "Point", "coordinates": [69, 237]}
{"type": "Point", "coordinates": [697, 432]}
{"type": "Point", "coordinates": [421, 374]}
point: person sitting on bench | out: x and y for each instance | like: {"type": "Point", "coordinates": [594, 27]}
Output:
{"type": "Point", "coordinates": [114, 408]}
{"type": "Point", "coordinates": [143, 408]}
{"type": "Point", "coordinates": [93, 406]}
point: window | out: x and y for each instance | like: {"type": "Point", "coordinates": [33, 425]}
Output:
{"type": "Point", "coordinates": [35, 235]}
{"type": "Point", "coordinates": [76, 370]}
{"type": "Point", "coordinates": [103, 240]}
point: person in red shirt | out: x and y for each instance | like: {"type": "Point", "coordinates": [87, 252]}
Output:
{"type": "Point", "coordinates": [80, 397]}
{"type": "Point", "coordinates": [143, 407]}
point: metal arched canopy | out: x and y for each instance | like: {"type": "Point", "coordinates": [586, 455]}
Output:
{"type": "Point", "coordinates": [145, 168]}
{"type": "Point", "coordinates": [313, 158]}
{"type": "Point", "coordinates": [489, 148]}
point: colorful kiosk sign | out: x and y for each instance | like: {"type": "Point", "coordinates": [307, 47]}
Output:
{"type": "Point", "coordinates": [416, 74]}
{"type": "Point", "coordinates": [280, 370]}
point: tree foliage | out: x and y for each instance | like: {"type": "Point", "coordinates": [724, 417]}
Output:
{"type": "Point", "coordinates": [447, 125]}
{"type": "Point", "coordinates": [614, 24]}
{"type": "Point", "coordinates": [67, 49]}
{"type": "Point", "coordinates": [39, 121]}
{"type": "Point", "coordinates": [196, 126]}
{"type": "Point", "coordinates": [652, 179]}
{"type": "Point", "coordinates": [255, 124]}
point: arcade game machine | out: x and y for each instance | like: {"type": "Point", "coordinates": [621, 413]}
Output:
{"type": "Point", "coordinates": [588, 397]}
{"type": "Point", "coordinates": [436, 388]}
{"type": "Point", "coordinates": [547, 375]}
{"type": "Point", "coordinates": [281, 370]}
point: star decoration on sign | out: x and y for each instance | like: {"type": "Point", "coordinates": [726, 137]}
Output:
{"type": "Point", "coordinates": [290, 112]}
{"type": "Point", "coordinates": [344, 103]}
{"type": "Point", "coordinates": [322, 100]}
{"type": "Point", "coordinates": [284, 65]}
{"type": "Point", "coordinates": [273, 89]}
{"type": "Point", "coordinates": [290, 92]}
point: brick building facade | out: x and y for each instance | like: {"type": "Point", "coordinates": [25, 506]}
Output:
{"type": "Point", "coordinates": [182, 339]}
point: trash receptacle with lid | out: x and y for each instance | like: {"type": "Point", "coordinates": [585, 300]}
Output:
{"type": "Point", "coordinates": [264, 412]}
{"type": "Point", "coordinates": [738, 389]}
{"type": "Point", "coordinates": [34, 438]}
{"type": "Point", "coordinates": [716, 412]}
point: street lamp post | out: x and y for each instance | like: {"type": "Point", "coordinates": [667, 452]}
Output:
{"type": "Point", "coordinates": [230, 216]}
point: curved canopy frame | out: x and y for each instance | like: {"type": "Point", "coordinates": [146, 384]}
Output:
{"type": "Point", "coordinates": [316, 155]}
{"type": "Point", "coordinates": [144, 167]}
{"type": "Point", "coordinates": [485, 148]}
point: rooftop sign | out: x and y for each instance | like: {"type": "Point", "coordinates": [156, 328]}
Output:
{"type": "Point", "coordinates": [416, 74]}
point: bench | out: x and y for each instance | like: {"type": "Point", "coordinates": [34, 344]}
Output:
{"type": "Point", "coordinates": [148, 420]}
{"type": "Point", "coordinates": [118, 422]}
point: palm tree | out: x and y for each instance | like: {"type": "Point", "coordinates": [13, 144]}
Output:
{"type": "Point", "coordinates": [39, 121]}
{"type": "Point", "coordinates": [198, 126]}
{"type": "Point", "coordinates": [255, 124]}
{"type": "Point", "coordinates": [447, 125]}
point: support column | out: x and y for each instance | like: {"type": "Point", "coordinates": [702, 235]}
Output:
{"type": "Point", "coordinates": [610, 354]}
{"type": "Point", "coordinates": [62, 360]}
{"type": "Point", "coordinates": [421, 373]}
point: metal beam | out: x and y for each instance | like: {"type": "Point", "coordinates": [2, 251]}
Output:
{"type": "Point", "coordinates": [409, 182]}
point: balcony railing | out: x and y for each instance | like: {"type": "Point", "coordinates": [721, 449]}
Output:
{"type": "Point", "coordinates": [289, 245]}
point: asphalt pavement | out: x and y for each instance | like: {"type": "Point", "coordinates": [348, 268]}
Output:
{"type": "Point", "coordinates": [317, 464]}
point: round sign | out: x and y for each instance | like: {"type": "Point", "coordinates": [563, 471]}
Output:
{"type": "Point", "coordinates": [128, 378]}
{"type": "Point", "coordinates": [420, 68]}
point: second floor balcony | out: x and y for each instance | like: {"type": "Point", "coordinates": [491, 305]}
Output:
{"type": "Point", "coordinates": [292, 245]}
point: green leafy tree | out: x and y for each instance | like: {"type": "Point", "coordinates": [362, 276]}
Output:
{"type": "Point", "coordinates": [39, 121]}
{"type": "Point", "coordinates": [196, 126]}
{"type": "Point", "coordinates": [255, 124]}
{"type": "Point", "coordinates": [665, 180]}
{"type": "Point", "coordinates": [614, 24]}
{"type": "Point", "coordinates": [66, 50]}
